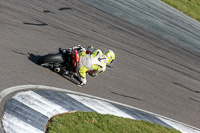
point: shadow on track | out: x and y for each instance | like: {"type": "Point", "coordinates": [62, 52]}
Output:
{"type": "Point", "coordinates": [33, 58]}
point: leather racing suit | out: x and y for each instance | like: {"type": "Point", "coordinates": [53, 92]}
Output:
{"type": "Point", "coordinates": [95, 61]}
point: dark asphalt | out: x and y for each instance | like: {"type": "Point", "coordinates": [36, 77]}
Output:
{"type": "Point", "coordinates": [149, 72]}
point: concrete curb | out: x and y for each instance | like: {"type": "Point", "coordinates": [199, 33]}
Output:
{"type": "Point", "coordinates": [90, 103]}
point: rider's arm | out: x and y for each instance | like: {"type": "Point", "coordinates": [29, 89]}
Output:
{"type": "Point", "coordinates": [97, 69]}
{"type": "Point", "coordinates": [93, 51]}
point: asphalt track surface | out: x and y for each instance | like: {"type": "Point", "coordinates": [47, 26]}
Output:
{"type": "Point", "coordinates": [150, 72]}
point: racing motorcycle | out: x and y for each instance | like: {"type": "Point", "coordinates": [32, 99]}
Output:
{"type": "Point", "coordinates": [64, 63]}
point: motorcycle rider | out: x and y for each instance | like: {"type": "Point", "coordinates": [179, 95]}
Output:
{"type": "Point", "coordinates": [94, 61]}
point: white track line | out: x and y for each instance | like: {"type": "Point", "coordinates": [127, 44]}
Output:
{"type": "Point", "coordinates": [179, 127]}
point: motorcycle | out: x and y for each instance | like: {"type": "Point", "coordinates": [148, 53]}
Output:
{"type": "Point", "coordinates": [64, 62]}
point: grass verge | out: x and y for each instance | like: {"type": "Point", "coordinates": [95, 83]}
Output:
{"type": "Point", "coordinates": [92, 122]}
{"type": "Point", "coordinates": [188, 7]}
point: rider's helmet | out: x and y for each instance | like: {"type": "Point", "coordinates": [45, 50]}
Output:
{"type": "Point", "coordinates": [110, 56]}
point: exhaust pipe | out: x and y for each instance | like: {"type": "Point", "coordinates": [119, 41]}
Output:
{"type": "Point", "coordinates": [57, 69]}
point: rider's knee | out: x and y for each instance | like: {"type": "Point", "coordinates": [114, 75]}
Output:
{"type": "Point", "coordinates": [83, 80]}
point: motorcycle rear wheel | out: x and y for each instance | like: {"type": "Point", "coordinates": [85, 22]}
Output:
{"type": "Point", "coordinates": [50, 59]}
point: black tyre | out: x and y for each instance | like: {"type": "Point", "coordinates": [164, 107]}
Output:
{"type": "Point", "coordinates": [50, 59]}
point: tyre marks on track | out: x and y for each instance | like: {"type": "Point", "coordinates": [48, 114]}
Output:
{"type": "Point", "coordinates": [40, 23]}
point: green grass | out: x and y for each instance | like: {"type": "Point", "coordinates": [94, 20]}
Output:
{"type": "Point", "coordinates": [188, 7]}
{"type": "Point", "coordinates": [92, 122]}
